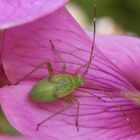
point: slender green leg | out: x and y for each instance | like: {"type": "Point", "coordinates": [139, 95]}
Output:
{"type": "Point", "coordinates": [71, 101]}
{"type": "Point", "coordinates": [92, 94]}
{"type": "Point", "coordinates": [94, 85]}
{"type": "Point", "coordinates": [55, 114]}
{"type": "Point", "coordinates": [50, 70]}
{"type": "Point", "coordinates": [49, 67]}
{"type": "Point", "coordinates": [77, 112]}
{"type": "Point", "coordinates": [78, 70]}
{"type": "Point", "coordinates": [56, 52]}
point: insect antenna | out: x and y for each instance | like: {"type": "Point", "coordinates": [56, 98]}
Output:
{"type": "Point", "coordinates": [93, 43]}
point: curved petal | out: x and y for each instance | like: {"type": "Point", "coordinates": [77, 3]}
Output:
{"type": "Point", "coordinates": [127, 52]}
{"type": "Point", "coordinates": [111, 117]}
{"type": "Point", "coordinates": [97, 119]}
{"type": "Point", "coordinates": [29, 45]}
{"type": "Point", "coordinates": [18, 12]}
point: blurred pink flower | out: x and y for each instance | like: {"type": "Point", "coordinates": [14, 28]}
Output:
{"type": "Point", "coordinates": [26, 46]}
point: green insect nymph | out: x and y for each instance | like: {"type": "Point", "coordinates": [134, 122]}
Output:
{"type": "Point", "coordinates": [60, 86]}
{"type": "Point", "coordinates": [56, 87]}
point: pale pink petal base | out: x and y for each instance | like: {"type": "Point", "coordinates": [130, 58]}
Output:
{"type": "Point", "coordinates": [17, 12]}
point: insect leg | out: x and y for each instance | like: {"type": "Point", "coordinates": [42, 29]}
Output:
{"type": "Point", "coordinates": [77, 112]}
{"type": "Point", "coordinates": [78, 70]}
{"type": "Point", "coordinates": [121, 109]}
{"type": "Point", "coordinates": [27, 75]}
{"type": "Point", "coordinates": [55, 114]}
{"type": "Point", "coordinates": [72, 101]}
{"type": "Point", "coordinates": [92, 94]}
{"type": "Point", "coordinates": [64, 65]}
{"type": "Point", "coordinates": [49, 67]}
{"type": "Point", "coordinates": [99, 87]}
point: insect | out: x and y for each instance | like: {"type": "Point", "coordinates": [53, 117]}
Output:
{"type": "Point", "coordinates": [60, 86]}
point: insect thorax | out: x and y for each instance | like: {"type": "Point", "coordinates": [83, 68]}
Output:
{"type": "Point", "coordinates": [67, 83]}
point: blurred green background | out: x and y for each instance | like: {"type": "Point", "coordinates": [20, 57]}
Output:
{"type": "Point", "coordinates": [5, 127]}
{"type": "Point", "coordinates": [125, 13]}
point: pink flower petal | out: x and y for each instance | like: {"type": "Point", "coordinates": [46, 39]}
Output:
{"type": "Point", "coordinates": [30, 45]}
{"type": "Point", "coordinates": [97, 119]}
{"type": "Point", "coordinates": [24, 138]}
{"type": "Point", "coordinates": [125, 58]}
{"type": "Point", "coordinates": [18, 12]}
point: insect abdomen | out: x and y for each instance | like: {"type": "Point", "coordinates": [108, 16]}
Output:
{"type": "Point", "coordinates": [59, 86]}
{"type": "Point", "coordinates": [44, 91]}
